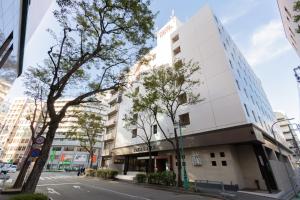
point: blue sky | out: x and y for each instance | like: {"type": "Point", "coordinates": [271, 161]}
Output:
{"type": "Point", "coordinates": [254, 25]}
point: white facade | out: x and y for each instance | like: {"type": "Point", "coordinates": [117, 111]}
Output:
{"type": "Point", "coordinates": [287, 16]}
{"type": "Point", "coordinates": [232, 93]}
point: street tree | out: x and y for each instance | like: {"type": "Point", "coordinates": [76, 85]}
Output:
{"type": "Point", "coordinates": [88, 130]}
{"type": "Point", "coordinates": [297, 16]}
{"type": "Point", "coordinates": [37, 117]}
{"type": "Point", "coordinates": [167, 89]}
{"type": "Point", "coordinates": [142, 122]}
{"type": "Point", "coordinates": [98, 39]}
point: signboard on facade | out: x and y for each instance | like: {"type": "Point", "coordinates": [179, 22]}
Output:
{"type": "Point", "coordinates": [80, 158]}
{"type": "Point", "coordinates": [142, 149]}
{"type": "Point", "coordinates": [196, 160]}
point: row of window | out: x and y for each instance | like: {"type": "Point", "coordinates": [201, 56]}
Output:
{"type": "Point", "coordinates": [262, 105]}
{"type": "Point", "coordinates": [184, 120]}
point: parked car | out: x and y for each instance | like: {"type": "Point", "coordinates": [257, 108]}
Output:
{"type": "Point", "coordinates": [8, 168]}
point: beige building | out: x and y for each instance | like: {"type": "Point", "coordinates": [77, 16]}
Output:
{"type": "Point", "coordinates": [15, 136]}
{"type": "Point", "coordinates": [287, 16]}
{"type": "Point", "coordinates": [4, 89]}
{"type": "Point", "coordinates": [290, 134]}
{"type": "Point", "coordinates": [67, 152]}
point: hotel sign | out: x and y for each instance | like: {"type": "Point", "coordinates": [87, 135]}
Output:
{"type": "Point", "coordinates": [142, 149]}
{"type": "Point", "coordinates": [167, 29]}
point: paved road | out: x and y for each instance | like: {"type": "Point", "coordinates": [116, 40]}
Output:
{"type": "Point", "coordinates": [67, 186]}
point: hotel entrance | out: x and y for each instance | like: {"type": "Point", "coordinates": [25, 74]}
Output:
{"type": "Point", "coordinates": [139, 163]}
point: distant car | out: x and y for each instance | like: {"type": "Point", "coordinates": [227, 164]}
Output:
{"type": "Point", "coordinates": [8, 168]}
{"type": "Point", "coordinates": [4, 176]}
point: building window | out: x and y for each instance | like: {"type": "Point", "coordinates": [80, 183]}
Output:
{"type": "Point", "coordinates": [56, 148]}
{"type": "Point", "coordinates": [238, 85]}
{"type": "Point", "coordinates": [182, 98]}
{"type": "Point", "coordinates": [212, 155]}
{"type": "Point", "coordinates": [69, 149]}
{"type": "Point", "coordinates": [176, 51]}
{"type": "Point", "coordinates": [246, 92]}
{"type": "Point", "coordinates": [137, 89]}
{"type": "Point", "coordinates": [230, 64]}
{"type": "Point", "coordinates": [213, 163]}
{"type": "Point", "coordinates": [134, 133]}
{"type": "Point", "coordinates": [154, 128]}
{"type": "Point", "coordinates": [175, 38]}
{"type": "Point", "coordinates": [222, 154]}
{"type": "Point", "coordinates": [184, 119]}
{"type": "Point", "coordinates": [224, 163]}
{"type": "Point", "coordinates": [254, 116]}
{"type": "Point", "coordinates": [246, 110]}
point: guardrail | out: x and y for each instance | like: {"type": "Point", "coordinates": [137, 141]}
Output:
{"type": "Point", "coordinates": [215, 185]}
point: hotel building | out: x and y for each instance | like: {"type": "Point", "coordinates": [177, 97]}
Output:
{"type": "Point", "coordinates": [228, 135]}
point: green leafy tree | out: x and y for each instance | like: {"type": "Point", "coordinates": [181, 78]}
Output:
{"type": "Point", "coordinates": [167, 88]}
{"type": "Point", "coordinates": [88, 130]}
{"type": "Point", "coordinates": [297, 16]}
{"type": "Point", "coordinates": [98, 39]}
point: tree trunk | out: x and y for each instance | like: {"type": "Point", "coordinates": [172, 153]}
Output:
{"type": "Point", "coordinates": [179, 166]}
{"type": "Point", "coordinates": [91, 158]}
{"type": "Point", "coordinates": [32, 181]}
{"type": "Point", "coordinates": [150, 159]}
{"type": "Point", "coordinates": [21, 176]}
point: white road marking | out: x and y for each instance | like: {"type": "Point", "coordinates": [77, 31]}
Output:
{"type": "Point", "coordinates": [52, 191]}
{"type": "Point", "coordinates": [76, 186]}
{"type": "Point", "coordinates": [41, 178]}
{"type": "Point", "coordinates": [120, 193]}
{"type": "Point", "coordinates": [9, 181]}
{"type": "Point", "coordinates": [54, 184]}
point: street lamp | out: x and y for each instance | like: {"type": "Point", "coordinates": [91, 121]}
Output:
{"type": "Point", "coordinates": [186, 184]}
{"type": "Point", "coordinates": [279, 149]}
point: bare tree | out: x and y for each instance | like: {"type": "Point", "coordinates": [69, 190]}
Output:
{"type": "Point", "coordinates": [143, 123]}
{"type": "Point", "coordinates": [38, 124]}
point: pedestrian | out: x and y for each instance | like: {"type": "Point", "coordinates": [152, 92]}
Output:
{"type": "Point", "coordinates": [79, 171]}
{"type": "Point", "coordinates": [83, 170]}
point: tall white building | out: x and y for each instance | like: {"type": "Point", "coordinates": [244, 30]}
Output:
{"type": "Point", "coordinates": [287, 16]}
{"type": "Point", "coordinates": [229, 132]}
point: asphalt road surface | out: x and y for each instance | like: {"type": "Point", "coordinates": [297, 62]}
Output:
{"type": "Point", "coordinates": [67, 186]}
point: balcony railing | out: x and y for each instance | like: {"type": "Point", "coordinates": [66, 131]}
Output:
{"type": "Point", "coordinates": [109, 136]}
{"type": "Point", "coordinates": [106, 152]}
{"type": "Point", "coordinates": [110, 122]}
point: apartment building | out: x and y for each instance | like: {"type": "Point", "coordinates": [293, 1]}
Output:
{"type": "Point", "coordinates": [287, 16]}
{"type": "Point", "coordinates": [15, 135]}
{"type": "Point", "coordinates": [4, 89]}
{"type": "Point", "coordinates": [228, 135]}
{"type": "Point", "coordinates": [290, 133]}
{"type": "Point", "coordinates": [66, 152]}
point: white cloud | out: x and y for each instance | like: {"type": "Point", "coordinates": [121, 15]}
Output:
{"type": "Point", "coordinates": [267, 42]}
{"type": "Point", "coordinates": [241, 10]}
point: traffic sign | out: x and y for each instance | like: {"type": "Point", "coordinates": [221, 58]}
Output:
{"type": "Point", "coordinates": [35, 153]}
{"type": "Point", "coordinates": [40, 140]}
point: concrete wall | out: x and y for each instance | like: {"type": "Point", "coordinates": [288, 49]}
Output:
{"type": "Point", "coordinates": [249, 167]}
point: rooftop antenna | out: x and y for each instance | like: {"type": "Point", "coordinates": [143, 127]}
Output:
{"type": "Point", "coordinates": [172, 14]}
